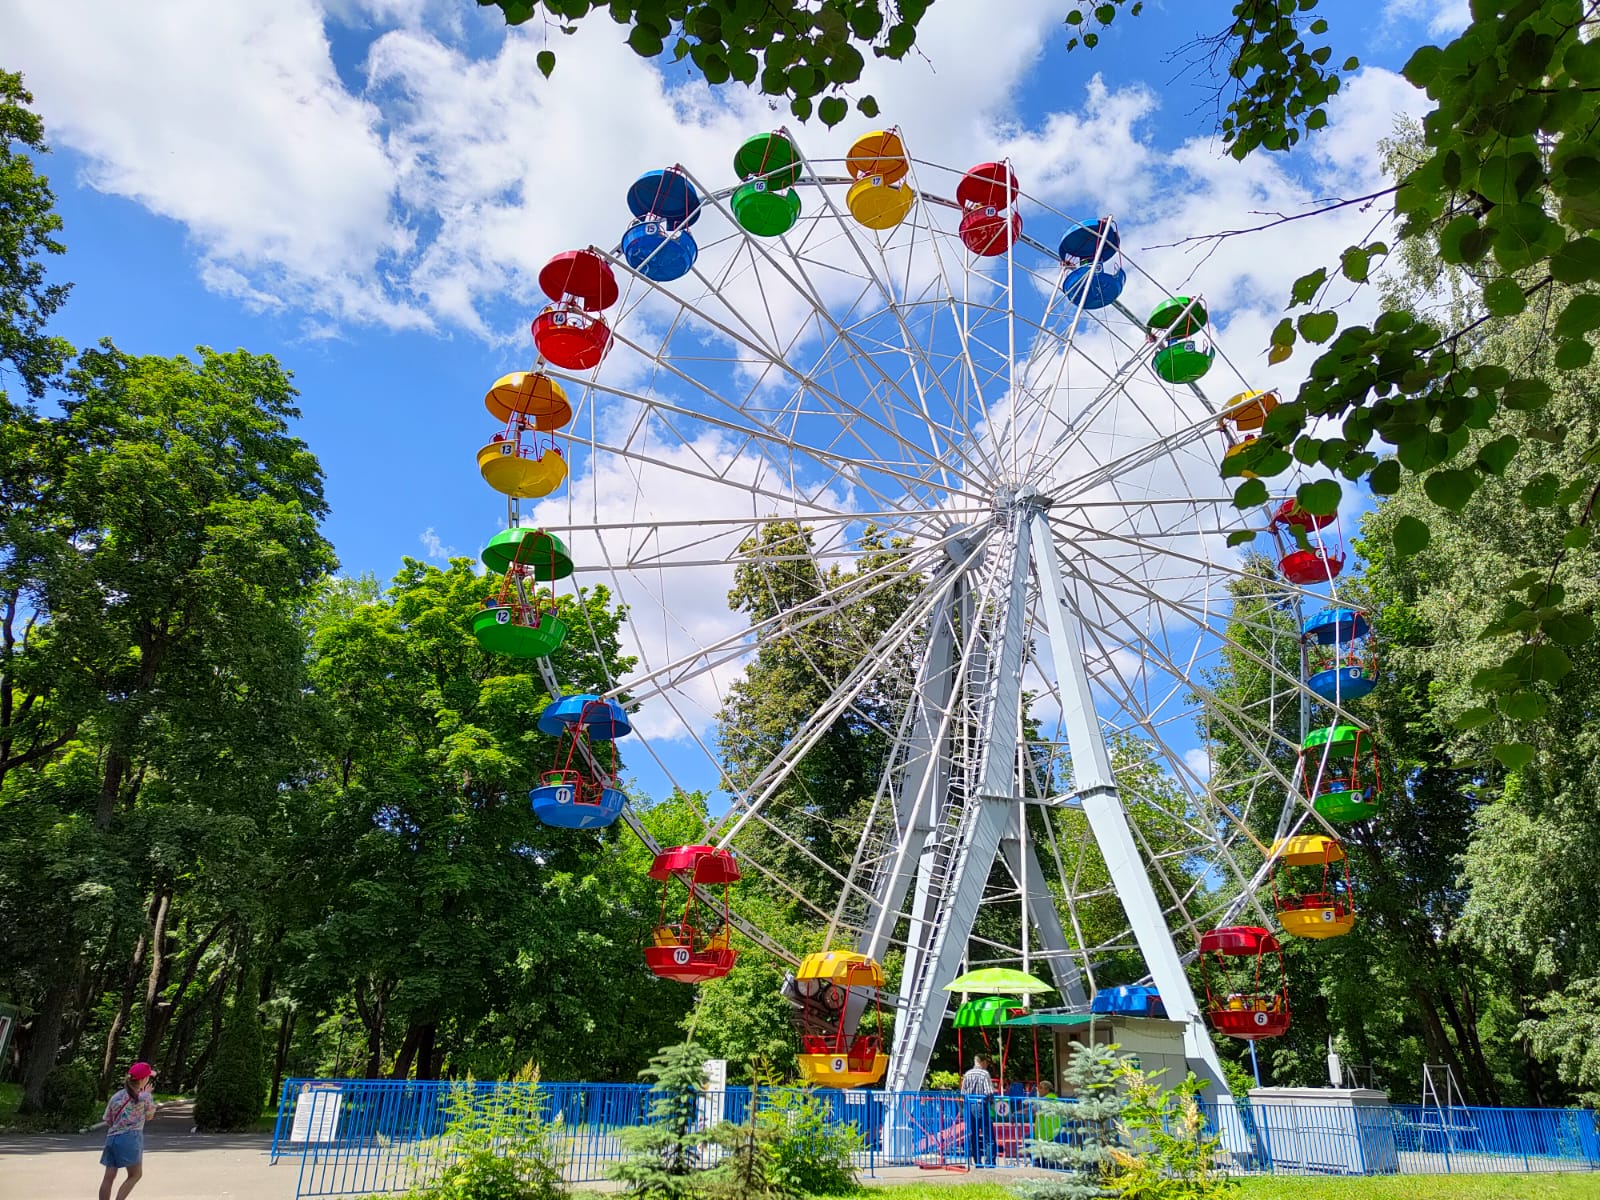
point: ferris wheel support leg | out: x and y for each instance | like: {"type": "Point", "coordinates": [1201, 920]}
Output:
{"type": "Point", "coordinates": [1096, 788]}
{"type": "Point", "coordinates": [956, 883]}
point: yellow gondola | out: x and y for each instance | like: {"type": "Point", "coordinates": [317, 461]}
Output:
{"type": "Point", "coordinates": [531, 394]}
{"type": "Point", "coordinates": [524, 477]}
{"type": "Point", "coordinates": [838, 1058]}
{"type": "Point", "coordinates": [1248, 411]}
{"type": "Point", "coordinates": [1327, 912]}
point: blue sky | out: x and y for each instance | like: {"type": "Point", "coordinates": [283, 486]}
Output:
{"type": "Point", "coordinates": [366, 188]}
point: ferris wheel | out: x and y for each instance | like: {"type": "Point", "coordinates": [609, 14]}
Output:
{"type": "Point", "coordinates": [951, 440]}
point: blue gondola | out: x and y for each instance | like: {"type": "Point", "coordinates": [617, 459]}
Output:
{"type": "Point", "coordinates": [1093, 287]}
{"type": "Point", "coordinates": [1337, 625]}
{"type": "Point", "coordinates": [1343, 683]}
{"type": "Point", "coordinates": [1080, 243]}
{"type": "Point", "coordinates": [1131, 1000]}
{"type": "Point", "coordinates": [602, 720]}
{"type": "Point", "coordinates": [658, 251]}
{"type": "Point", "coordinates": [667, 195]}
{"type": "Point", "coordinates": [565, 803]}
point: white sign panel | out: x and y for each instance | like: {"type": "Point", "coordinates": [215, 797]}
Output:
{"type": "Point", "coordinates": [316, 1114]}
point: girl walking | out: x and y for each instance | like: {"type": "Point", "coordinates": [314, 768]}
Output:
{"type": "Point", "coordinates": [126, 1113]}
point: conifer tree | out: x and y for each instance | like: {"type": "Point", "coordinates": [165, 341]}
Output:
{"type": "Point", "coordinates": [664, 1156]}
{"type": "Point", "coordinates": [1086, 1127]}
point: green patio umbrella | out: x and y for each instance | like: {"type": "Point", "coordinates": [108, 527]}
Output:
{"type": "Point", "coordinates": [998, 981]}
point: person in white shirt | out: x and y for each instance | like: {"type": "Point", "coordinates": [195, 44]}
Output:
{"type": "Point", "coordinates": [977, 1088]}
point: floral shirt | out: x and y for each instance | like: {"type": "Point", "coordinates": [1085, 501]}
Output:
{"type": "Point", "coordinates": [127, 1114]}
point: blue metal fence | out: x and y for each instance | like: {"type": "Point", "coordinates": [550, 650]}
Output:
{"type": "Point", "coordinates": [362, 1136]}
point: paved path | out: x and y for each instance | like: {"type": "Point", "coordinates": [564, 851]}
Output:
{"type": "Point", "coordinates": [182, 1165]}
{"type": "Point", "coordinates": [178, 1164]}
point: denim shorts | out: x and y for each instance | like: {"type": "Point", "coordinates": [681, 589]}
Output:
{"type": "Point", "coordinates": [123, 1149]}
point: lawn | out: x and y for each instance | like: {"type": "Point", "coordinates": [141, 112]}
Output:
{"type": "Point", "coordinates": [1574, 1186]}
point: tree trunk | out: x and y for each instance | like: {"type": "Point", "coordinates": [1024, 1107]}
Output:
{"type": "Point", "coordinates": [427, 1068]}
{"type": "Point", "coordinates": [110, 788]}
{"type": "Point", "coordinates": [157, 1019]}
{"type": "Point", "coordinates": [372, 1018]}
{"type": "Point", "coordinates": [150, 1042]}
{"type": "Point", "coordinates": [119, 1022]}
{"type": "Point", "coordinates": [1439, 1042]}
{"type": "Point", "coordinates": [45, 1041]}
{"type": "Point", "coordinates": [408, 1051]}
{"type": "Point", "coordinates": [285, 1039]}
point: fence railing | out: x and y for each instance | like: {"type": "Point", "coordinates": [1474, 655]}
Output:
{"type": "Point", "coordinates": [363, 1136]}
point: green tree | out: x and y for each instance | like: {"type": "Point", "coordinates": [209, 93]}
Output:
{"type": "Point", "coordinates": [233, 1088]}
{"type": "Point", "coordinates": [664, 1156]}
{"type": "Point", "coordinates": [28, 228]}
{"type": "Point", "coordinates": [155, 677]}
{"type": "Point", "coordinates": [1095, 1074]}
{"type": "Point", "coordinates": [810, 53]}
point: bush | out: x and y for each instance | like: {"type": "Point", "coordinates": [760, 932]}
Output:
{"type": "Point", "coordinates": [501, 1147]}
{"type": "Point", "coordinates": [234, 1088]}
{"type": "Point", "coordinates": [810, 1153]}
{"type": "Point", "coordinates": [944, 1081]}
{"type": "Point", "coordinates": [68, 1100]}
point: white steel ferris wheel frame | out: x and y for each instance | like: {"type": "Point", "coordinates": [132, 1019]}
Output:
{"type": "Point", "coordinates": [998, 571]}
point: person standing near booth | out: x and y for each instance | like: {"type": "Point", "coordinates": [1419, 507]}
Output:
{"type": "Point", "coordinates": [977, 1091]}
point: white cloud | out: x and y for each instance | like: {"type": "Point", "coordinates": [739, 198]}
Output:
{"type": "Point", "coordinates": [434, 546]}
{"type": "Point", "coordinates": [1444, 18]}
{"type": "Point", "coordinates": [232, 121]}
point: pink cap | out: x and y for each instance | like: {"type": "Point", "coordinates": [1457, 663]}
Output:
{"type": "Point", "coordinates": [140, 1070]}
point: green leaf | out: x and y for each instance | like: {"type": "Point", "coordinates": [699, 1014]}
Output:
{"type": "Point", "coordinates": [1353, 262]}
{"type": "Point", "coordinates": [1581, 314]}
{"type": "Point", "coordinates": [1494, 456]}
{"type": "Point", "coordinates": [1250, 493]}
{"type": "Point", "coordinates": [1515, 755]}
{"type": "Point", "coordinates": [1569, 628]}
{"type": "Point", "coordinates": [644, 42]}
{"type": "Point", "coordinates": [1578, 261]}
{"type": "Point", "coordinates": [1320, 497]}
{"type": "Point", "coordinates": [1504, 298]}
{"type": "Point", "coordinates": [1451, 488]}
{"type": "Point", "coordinates": [1241, 537]}
{"type": "Point", "coordinates": [1578, 538]}
{"type": "Point", "coordinates": [1525, 395]}
{"type": "Point", "coordinates": [1473, 718]}
{"type": "Point", "coordinates": [867, 106]}
{"type": "Point", "coordinates": [1524, 705]}
{"type": "Point", "coordinates": [1306, 287]}
{"type": "Point", "coordinates": [1540, 491]}
{"type": "Point", "coordinates": [1550, 664]}
{"type": "Point", "coordinates": [1570, 356]}
{"type": "Point", "coordinates": [1385, 478]}
{"type": "Point", "coordinates": [545, 60]}
{"type": "Point", "coordinates": [1318, 327]}
{"type": "Point", "coordinates": [832, 110]}
{"type": "Point", "coordinates": [1410, 536]}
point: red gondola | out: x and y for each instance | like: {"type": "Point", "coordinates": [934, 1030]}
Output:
{"type": "Point", "coordinates": [571, 333]}
{"type": "Point", "coordinates": [1290, 513]}
{"type": "Point", "coordinates": [687, 950]}
{"type": "Point", "coordinates": [1309, 568]}
{"type": "Point", "coordinates": [1252, 1012]}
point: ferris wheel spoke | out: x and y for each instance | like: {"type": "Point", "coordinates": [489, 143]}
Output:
{"type": "Point", "coordinates": [781, 451]}
{"type": "Point", "coordinates": [1223, 713]}
{"type": "Point", "coordinates": [1200, 616]}
{"type": "Point", "coordinates": [807, 386]}
{"type": "Point", "coordinates": [879, 274]}
{"type": "Point", "coordinates": [813, 609]}
{"type": "Point", "coordinates": [759, 790]}
{"type": "Point", "coordinates": [803, 286]}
